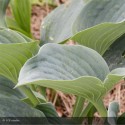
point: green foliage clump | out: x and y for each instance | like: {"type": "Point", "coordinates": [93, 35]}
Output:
{"type": "Point", "coordinates": [88, 70]}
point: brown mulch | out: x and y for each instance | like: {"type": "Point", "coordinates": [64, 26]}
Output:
{"type": "Point", "coordinates": [117, 94]}
{"type": "Point", "coordinates": [38, 14]}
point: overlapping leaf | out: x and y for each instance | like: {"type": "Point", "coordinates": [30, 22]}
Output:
{"type": "Point", "coordinates": [100, 11]}
{"type": "Point", "coordinates": [10, 36]}
{"type": "Point", "coordinates": [107, 39]}
{"type": "Point", "coordinates": [66, 64]}
{"type": "Point", "coordinates": [62, 62]}
{"type": "Point", "coordinates": [10, 105]}
{"type": "Point", "coordinates": [70, 69]}
{"type": "Point", "coordinates": [57, 26]}
{"type": "Point", "coordinates": [48, 109]}
{"type": "Point", "coordinates": [16, 108]}
{"type": "Point", "coordinates": [115, 55]}
{"type": "Point", "coordinates": [7, 89]}
{"type": "Point", "coordinates": [50, 112]}
{"type": "Point", "coordinates": [100, 37]}
{"type": "Point", "coordinates": [13, 56]}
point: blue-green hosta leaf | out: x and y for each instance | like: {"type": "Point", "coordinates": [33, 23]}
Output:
{"type": "Point", "coordinates": [113, 78]}
{"type": "Point", "coordinates": [50, 112]}
{"type": "Point", "coordinates": [22, 14]}
{"type": "Point", "coordinates": [70, 69]}
{"type": "Point", "coordinates": [16, 108]}
{"type": "Point", "coordinates": [10, 36]}
{"type": "Point", "coordinates": [7, 89]}
{"type": "Point", "coordinates": [13, 56]}
{"type": "Point", "coordinates": [63, 62]}
{"type": "Point", "coordinates": [112, 113]}
{"type": "Point", "coordinates": [100, 37]}
{"type": "Point", "coordinates": [3, 6]}
{"type": "Point", "coordinates": [100, 11]}
{"type": "Point", "coordinates": [115, 55]}
{"type": "Point", "coordinates": [48, 109]}
{"type": "Point", "coordinates": [66, 63]}
{"type": "Point", "coordinates": [57, 26]}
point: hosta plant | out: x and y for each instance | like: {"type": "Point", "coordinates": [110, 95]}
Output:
{"type": "Point", "coordinates": [73, 69]}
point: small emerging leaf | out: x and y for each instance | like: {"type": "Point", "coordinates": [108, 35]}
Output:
{"type": "Point", "coordinates": [113, 112]}
{"type": "Point", "coordinates": [115, 55]}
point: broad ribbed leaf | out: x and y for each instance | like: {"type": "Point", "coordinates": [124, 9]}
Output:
{"type": "Point", "coordinates": [115, 55]}
{"type": "Point", "coordinates": [10, 36]}
{"type": "Point", "coordinates": [13, 56]}
{"type": "Point", "coordinates": [100, 11]}
{"type": "Point", "coordinates": [63, 62]}
{"type": "Point", "coordinates": [50, 112]}
{"type": "Point", "coordinates": [113, 78]}
{"type": "Point", "coordinates": [3, 6]}
{"type": "Point", "coordinates": [112, 113]}
{"type": "Point", "coordinates": [7, 89]}
{"type": "Point", "coordinates": [16, 108]}
{"type": "Point", "coordinates": [83, 86]}
{"type": "Point", "coordinates": [10, 105]}
{"type": "Point", "coordinates": [48, 109]}
{"type": "Point", "coordinates": [22, 14]}
{"type": "Point", "coordinates": [67, 63]}
{"type": "Point", "coordinates": [70, 69]}
{"type": "Point", "coordinates": [57, 26]}
{"type": "Point", "coordinates": [100, 37]}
